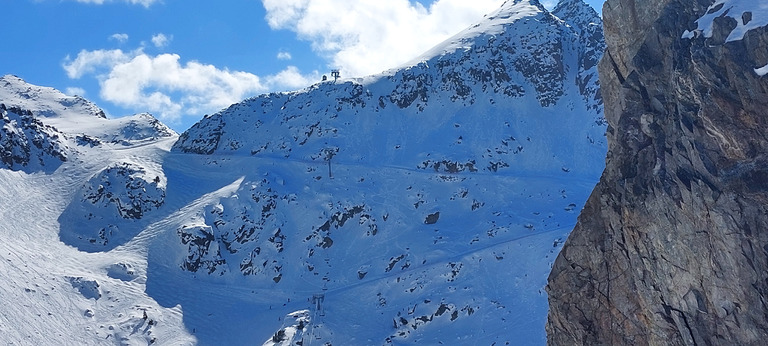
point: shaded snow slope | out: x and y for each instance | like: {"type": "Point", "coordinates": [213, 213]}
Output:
{"type": "Point", "coordinates": [422, 205]}
{"type": "Point", "coordinates": [397, 255]}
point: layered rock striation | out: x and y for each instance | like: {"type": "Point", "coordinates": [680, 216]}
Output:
{"type": "Point", "coordinates": [672, 248]}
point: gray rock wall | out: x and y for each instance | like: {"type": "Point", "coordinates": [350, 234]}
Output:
{"type": "Point", "coordinates": [672, 246]}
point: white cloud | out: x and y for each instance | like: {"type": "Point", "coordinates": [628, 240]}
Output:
{"type": "Point", "coordinates": [284, 56]}
{"type": "Point", "coordinates": [119, 37]}
{"type": "Point", "coordinates": [145, 3]}
{"type": "Point", "coordinates": [165, 86]}
{"type": "Point", "coordinates": [291, 79]}
{"type": "Point", "coordinates": [89, 61]}
{"type": "Point", "coordinates": [160, 40]}
{"type": "Point", "coordinates": [72, 91]}
{"type": "Point", "coordinates": [368, 36]}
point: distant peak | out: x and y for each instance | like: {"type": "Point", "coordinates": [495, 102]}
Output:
{"type": "Point", "coordinates": [577, 13]}
{"type": "Point", "coordinates": [10, 79]}
{"type": "Point", "coordinates": [571, 3]}
{"type": "Point", "coordinates": [512, 10]}
{"type": "Point", "coordinates": [43, 101]}
{"type": "Point", "coordinates": [573, 7]}
{"type": "Point", "coordinates": [519, 4]}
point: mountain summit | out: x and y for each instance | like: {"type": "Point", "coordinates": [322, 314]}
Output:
{"type": "Point", "coordinates": [519, 65]}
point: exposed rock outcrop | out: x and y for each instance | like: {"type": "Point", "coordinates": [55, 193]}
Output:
{"type": "Point", "coordinates": [672, 247]}
{"type": "Point", "coordinates": [111, 205]}
{"type": "Point", "coordinates": [26, 144]}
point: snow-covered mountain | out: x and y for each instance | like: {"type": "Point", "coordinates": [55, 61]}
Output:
{"type": "Point", "coordinates": [53, 147]}
{"type": "Point", "coordinates": [422, 205]}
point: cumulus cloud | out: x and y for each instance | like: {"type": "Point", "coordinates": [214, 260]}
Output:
{"type": "Point", "coordinates": [145, 3]}
{"type": "Point", "coordinates": [166, 86]}
{"type": "Point", "coordinates": [368, 36]}
{"type": "Point", "coordinates": [89, 61]}
{"type": "Point", "coordinates": [284, 56]}
{"type": "Point", "coordinates": [75, 91]}
{"type": "Point", "coordinates": [160, 40]}
{"type": "Point", "coordinates": [119, 37]}
{"type": "Point", "coordinates": [291, 79]}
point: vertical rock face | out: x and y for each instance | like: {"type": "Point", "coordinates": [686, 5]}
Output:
{"type": "Point", "coordinates": [672, 246]}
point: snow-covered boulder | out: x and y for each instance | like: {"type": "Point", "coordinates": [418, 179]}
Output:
{"type": "Point", "coordinates": [111, 205]}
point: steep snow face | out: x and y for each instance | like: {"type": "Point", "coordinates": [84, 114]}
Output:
{"type": "Point", "coordinates": [589, 27]}
{"type": "Point", "coordinates": [499, 100]}
{"type": "Point", "coordinates": [421, 205]}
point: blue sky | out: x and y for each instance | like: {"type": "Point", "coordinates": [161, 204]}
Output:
{"type": "Point", "coordinates": [182, 59]}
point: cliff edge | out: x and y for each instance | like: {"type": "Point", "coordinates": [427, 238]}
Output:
{"type": "Point", "coordinates": [672, 247]}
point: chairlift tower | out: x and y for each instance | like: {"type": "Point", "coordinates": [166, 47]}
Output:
{"type": "Point", "coordinates": [317, 301]}
{"type": "Point", "coordinates": [335, 74]}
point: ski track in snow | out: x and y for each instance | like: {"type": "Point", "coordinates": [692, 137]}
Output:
{"type": "Point", "coordinates": [34, 263]}
{"type": "Point", "coordinates": [223, 293]}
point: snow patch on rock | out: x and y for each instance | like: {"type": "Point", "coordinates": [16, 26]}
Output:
{"type": "Point", "coordinates": [762, 71]}
{"type": "Point", "coordinates": [747, 15]}
{"type": "Point", "coordinates": [295, 328]}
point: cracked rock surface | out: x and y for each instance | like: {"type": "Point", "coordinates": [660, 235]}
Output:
{"type": "Point", "coordinates": [672, 248]}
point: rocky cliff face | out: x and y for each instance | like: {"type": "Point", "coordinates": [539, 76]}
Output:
{"type": "Point", "coordinates": [671, 247]}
